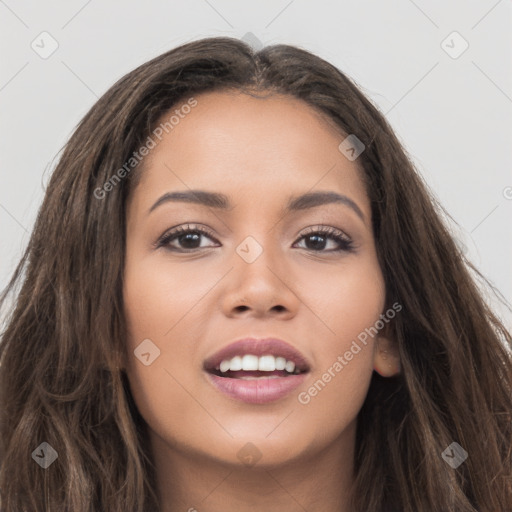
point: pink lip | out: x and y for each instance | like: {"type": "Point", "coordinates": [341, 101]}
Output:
{"type": "Point", "coordinates": [257, 391]}
{"type": "Point", "coordinates": [258, 347]}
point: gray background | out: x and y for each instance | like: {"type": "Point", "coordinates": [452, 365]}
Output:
{"type": "Point", "coordinates": [453, 115]}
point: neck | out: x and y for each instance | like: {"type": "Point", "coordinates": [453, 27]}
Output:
{"type": "Point", "coordinates": [319, 481]}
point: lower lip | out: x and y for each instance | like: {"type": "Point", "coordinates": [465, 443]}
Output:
{"type": "Point", "coordinates": [257, 391]}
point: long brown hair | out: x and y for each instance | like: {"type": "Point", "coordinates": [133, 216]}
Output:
{"type": "Point", "coordinates": [63, 340]}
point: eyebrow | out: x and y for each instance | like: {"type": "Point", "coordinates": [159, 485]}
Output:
{"type": "Point", "coordinates": [221, 201]}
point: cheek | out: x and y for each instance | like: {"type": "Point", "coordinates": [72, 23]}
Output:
{"type": "Point", "coordinates": [348, 302]}
{"type": "Point", "coordinates": [159, 306]}
{"type": "Point", "coordinates": [157, 295]}
{"type": "Point", "coordinates": [347, 299]}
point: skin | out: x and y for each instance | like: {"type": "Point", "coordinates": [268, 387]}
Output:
{"type": "Point", "coordinates": [259, 152]}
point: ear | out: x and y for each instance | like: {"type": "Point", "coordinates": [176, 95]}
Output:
{"type": "Point", "coordinates": [386, 357]}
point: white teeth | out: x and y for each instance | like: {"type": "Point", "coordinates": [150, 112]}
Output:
{"type": "Point", "coordinates": [224, 366]}
{"type": "Point", "coordinates": [236, 364]}
{"type": "Point", "coordinates": [267, 364]}
{"type": "Point", "coordinates": [290, 366]}
{"type": "Point", "coordinates": [249, 362]}
{"type": "Point", "coordinates": [280, 363]}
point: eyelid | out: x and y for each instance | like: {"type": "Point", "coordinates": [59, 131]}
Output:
{"type": "Point", "coordinates": [324, 228]}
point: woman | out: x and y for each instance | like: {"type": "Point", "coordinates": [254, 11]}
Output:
{"type": "Point", "coordinates": [239, 295]}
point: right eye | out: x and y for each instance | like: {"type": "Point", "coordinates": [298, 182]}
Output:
{"type": "Point", "coordinates": [188, 236]}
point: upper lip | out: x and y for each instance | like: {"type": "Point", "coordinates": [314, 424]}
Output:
{"type": "Point", "coordinates": [258, 347]}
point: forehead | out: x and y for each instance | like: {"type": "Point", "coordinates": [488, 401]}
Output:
{"type": "Point", "coordinates": [254, 147]}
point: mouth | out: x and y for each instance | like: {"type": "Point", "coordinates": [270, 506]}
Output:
{"type": "Point", "coordinates": [257, 370]}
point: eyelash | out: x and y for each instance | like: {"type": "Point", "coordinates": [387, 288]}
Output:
{"type": "Point", "coordinates": [344, 242]}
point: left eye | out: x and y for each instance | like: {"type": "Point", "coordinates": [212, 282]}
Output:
{"type": "Point", "coordinates": [188, 237]}
{"type": "Point", "coordinates": [320, 235]}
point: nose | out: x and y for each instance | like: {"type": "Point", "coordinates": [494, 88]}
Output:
{"type": "Point", "coordinates": [261, 288]}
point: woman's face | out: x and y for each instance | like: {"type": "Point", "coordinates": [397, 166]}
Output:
{"type": "Point", "coordinates": [260, 272]}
